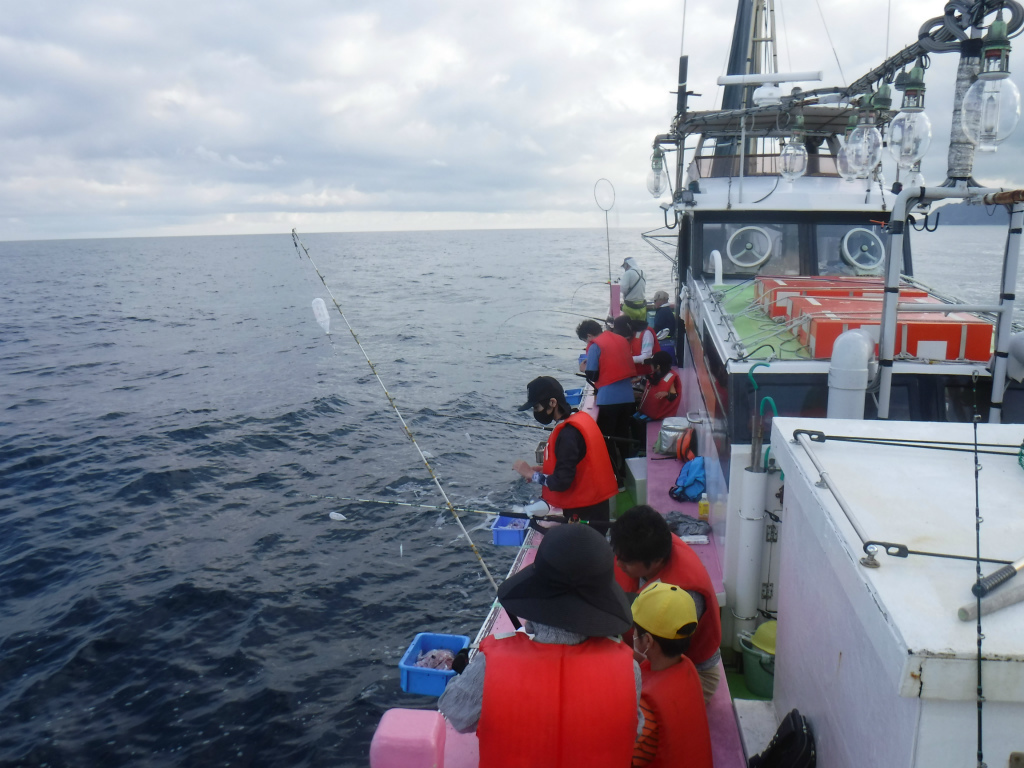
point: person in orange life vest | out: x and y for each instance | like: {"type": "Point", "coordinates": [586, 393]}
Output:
{"type": "Point", "coordinates": [675, 728]}
{"type": "Point", "coordinates": [660, 399]}
{"type": "Point", "coordinates": [576, 475]}
{"type": "Point", "coordinates": [643, 345]}
{"type": "Point", "coordinates": [569, 696]}
{"type": "Point", "coordinates": [609, 367]}
{"type": "Point", "coordinates": [646, 550]}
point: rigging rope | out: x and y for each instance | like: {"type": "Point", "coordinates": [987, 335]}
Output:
{"type": "Point", "coordinates": [300, 248]}
{"type": "Point", "coordinates": [829, 36]}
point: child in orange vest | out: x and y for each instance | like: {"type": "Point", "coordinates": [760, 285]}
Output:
{"type": "Point", "coordinates": [675, 728]}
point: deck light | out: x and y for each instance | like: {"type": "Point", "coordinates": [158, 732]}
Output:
{"type": "Point", "coordinates": [793, 157]}
{"type": "Point", "coordinates": [916, 179]}
{"type": "Point", "coordinates": [864, 145]}
{"type": "Point", "coordinates": [913, 90]}
{"type": "Point", "coordinates": [910, 134]}
{"type": "Point", "coordinates": [991, 106]}
{"type": "Point", "coordinates": [657, 179]}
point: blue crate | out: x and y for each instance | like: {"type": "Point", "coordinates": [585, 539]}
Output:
{"type": "Point", "coordinates": [430, 682]}
{"type": "Point", "coordinates": [504, 536]}
{"type": "Point", "coordinates": [574, 396]}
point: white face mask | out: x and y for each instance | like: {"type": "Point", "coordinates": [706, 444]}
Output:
{"type": "Point", "coordinates": [641, 643]}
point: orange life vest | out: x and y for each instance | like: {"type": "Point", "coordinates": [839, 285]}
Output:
{"type": "Point", "coordinates": [676, 698]}
{"type": "Point", "coordinates": [684, 569]}
{"type": "Point", "coordinates": [616, 362]}
{"type": "Point", "coordinates": [636, 345]}
{"type": "Point", "coordinates": [658, 408]}
{"type": "Point", "coordinates": [557, 706]}
{"type": "Point", "coordinates": [595, 479]}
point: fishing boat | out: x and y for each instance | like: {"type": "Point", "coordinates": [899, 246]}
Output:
{"type": "Point", "coordinates": [841, 406]}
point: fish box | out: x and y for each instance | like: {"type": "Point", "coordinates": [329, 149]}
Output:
{"type": "Point", "coordinates": [927, 335]}
{"type": "Point", "coordinates": [783, 304]}
{"type": "Point", "coordinates": [508, 531]}
{"type": "Point", "coordinates": [774, 294]}
{"type": "Point", "coordinates": [574, 396]}
{"type": "Point", "coordinates": [868, 309]}
{"type": "Point", "coordinates": [430, 682]}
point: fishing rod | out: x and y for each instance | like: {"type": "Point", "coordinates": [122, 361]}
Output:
{"type": "Point", "coordinates": [556, 311]}
{"type": "Point", "coordinates": [584, 285]}
{"type": "Point", "coordinates": [516, 424]}
{"type": "Point", "coordinates": [511, 513]}
{"type": "Point", "coordinates": [301, 249]}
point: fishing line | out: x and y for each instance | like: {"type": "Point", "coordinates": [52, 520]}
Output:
{"type": "Point", "coordinates": [558, 311]}
{"type": "Point", "coordinates": [394, 406]}
{"type": "Point", "coordinates": [584, 285]}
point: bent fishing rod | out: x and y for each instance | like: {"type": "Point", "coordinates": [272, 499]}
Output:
{"type": "Point", "coordinates": [511, 513]}
{"type": "Point", "coordinates": [301, 249]}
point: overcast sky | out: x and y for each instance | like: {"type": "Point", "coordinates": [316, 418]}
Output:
{"type": "Point", "coordinates": [138, 118]}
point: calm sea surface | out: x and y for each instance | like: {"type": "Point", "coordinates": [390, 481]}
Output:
{"type": "Point", "coordinates": [176, 429]}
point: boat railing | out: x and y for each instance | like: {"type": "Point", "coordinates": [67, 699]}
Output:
{"type": "Point", "coordinates": [719, 166]}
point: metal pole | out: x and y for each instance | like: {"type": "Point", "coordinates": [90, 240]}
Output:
{"type": "Point", "coordinates": [893, 259]}
{"type": "Point", "coordinates": [1004, 327]}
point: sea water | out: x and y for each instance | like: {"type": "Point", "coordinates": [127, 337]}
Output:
{"type": "Point", "coordinates": [177, 430]}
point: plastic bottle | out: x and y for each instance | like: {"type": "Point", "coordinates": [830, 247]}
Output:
{"type": "Point", "coordinates": [703, 508]}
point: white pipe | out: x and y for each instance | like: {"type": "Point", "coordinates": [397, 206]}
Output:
{"type": "Point", "coordinates": [893, 264]}
{"type": "Point", "coordinates": [848, 374]}
{"type": "Point", "coordinates": [1004, 326]}
{"type": "Point", "coordinates": [771, 77]}
{"type": "Point", "coordinates": [750, 535]}
{"type": "Point", "coordinates": [716, 257]}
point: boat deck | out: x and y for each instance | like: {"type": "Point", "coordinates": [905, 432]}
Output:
{"type": "Point", "coordinates": [661, 476]}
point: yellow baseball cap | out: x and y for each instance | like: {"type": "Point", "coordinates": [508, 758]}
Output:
{"type": "Point", "coordinates": [666, 611]}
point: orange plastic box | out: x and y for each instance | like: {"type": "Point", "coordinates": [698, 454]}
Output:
{"type": "Point", "coordinates": [774, 293]}
{"type": "Point", "coordinates": [928, 335]}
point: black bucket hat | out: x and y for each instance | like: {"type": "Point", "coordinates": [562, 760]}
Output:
{"type": "Point", "coordinates": [571, 585]}
{"type": "Point", "coordinates": [542, 389]}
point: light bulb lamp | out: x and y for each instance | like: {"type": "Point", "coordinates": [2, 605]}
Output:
{"type": "Point", "coordinates": [910, 132]}
{"type": "Point", "coordinates": [657, 178]}
{"type": "Point", "coordinates": [913, 90]}
{"type": "Point", "coordinates": [991, 106]}
{"type": "Point", "coordinates": [793, 156]}
{"type": "Point", "coordinates": [864, 144]}
{"type": "Point", "coordinates": [882, 98]}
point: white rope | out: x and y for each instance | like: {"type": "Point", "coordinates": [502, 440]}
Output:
{"type": "Point", "coordinates": [394, 406]}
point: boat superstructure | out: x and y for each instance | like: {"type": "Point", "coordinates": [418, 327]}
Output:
{"type": "Point", "coordinates": [786, 236]}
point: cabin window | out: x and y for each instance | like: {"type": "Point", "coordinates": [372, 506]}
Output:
{"type": "Point", "coordinates": [849, 249]}
{"type": "Point", "coordinates": [750, 248]}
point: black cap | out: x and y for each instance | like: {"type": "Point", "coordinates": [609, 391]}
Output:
{"type": "Point", "coordinates": [570, 585]}
{"type": "Point", "coordinates": [542, 389]}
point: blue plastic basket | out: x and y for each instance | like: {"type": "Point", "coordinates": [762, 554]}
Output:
{"type": "Point", "coordinates": [502, 535]}
{"type": "Point", "coordinates": [574, 396]}
{"type": "Point", "coordinates": [430, 682]}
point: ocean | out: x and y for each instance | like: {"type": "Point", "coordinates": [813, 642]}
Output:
{"type": "Point", "coordinates": [176, 430]}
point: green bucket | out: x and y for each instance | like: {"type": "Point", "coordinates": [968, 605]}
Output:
{"type": "Point", "coordinates": [758, 669]}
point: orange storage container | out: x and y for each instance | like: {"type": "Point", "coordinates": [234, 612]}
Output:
{"type": "Point", "coordinates": [774, 293]}
{"type": "Point", "coordinates": [928, 335]}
